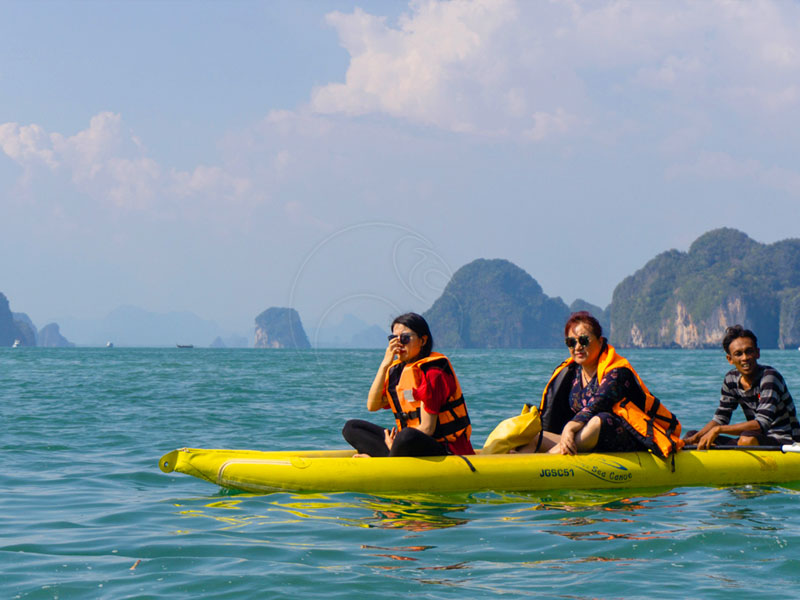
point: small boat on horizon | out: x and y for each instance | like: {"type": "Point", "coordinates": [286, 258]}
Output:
{"type": "Point", "coordinates": [17, 344]}
{"type": "Point", "coordinates": [185, 345]}
{"type": "Point", "coordinates": [109, 344]}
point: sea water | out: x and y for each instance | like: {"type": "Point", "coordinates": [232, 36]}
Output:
{"type": "Point", "coordinates": [86, 513]}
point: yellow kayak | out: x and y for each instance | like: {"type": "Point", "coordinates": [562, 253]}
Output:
{"type": "Point", "coordinates": [338, 471]}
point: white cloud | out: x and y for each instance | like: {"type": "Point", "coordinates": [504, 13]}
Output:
{"type": "Point", "coordinates": [445, 64]}
{"type": "Point", "coordinates": [26, 144]}
{"type": "Point", "coordinates": [671, 72]}
{"type": "Point", "coordinates": [776, 99]}
{"type": "Point", "coordinates": [534, 70]}
{"type": "Point", "coordinates": [724, 166]}
{"type": "Point", "coordinates": [783, 54]}
{"type": "Point", "coordinates": [301, 214]}
{"type": "Point", "coordinates": [659, 75]}
{"type": "Point", "coordinates": [110, 163]}
{"type": "Point", "coordinates": [88, 152]}
{"type": "Point", "coordinates": [545, 125]}
{"type": "Point", "coordinates": [208, 179]}
{"type": "Point", "coordinates": [131, 183]}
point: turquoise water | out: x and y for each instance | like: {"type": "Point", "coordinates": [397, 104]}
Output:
{"type": "Point", "coordinates": [85, 512]}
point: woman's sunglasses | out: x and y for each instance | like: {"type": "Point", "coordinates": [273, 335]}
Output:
{"type": "Point", "coordinates": [404, 337]}
{"type": "Point", "coordinates": [571, 342]}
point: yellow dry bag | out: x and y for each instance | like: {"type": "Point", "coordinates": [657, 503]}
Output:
{"type": "Point", "coordinates": [514, 432]}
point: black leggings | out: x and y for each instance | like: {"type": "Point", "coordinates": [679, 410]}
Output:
{"type": "Point", "coordinates": [368, 438]}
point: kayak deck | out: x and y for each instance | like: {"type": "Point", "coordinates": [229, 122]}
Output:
{"type": "Point", "coordinates": [338, 471]}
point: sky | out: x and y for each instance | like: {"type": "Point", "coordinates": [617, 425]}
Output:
{"type": "Point", "coordinates": [348, 157]}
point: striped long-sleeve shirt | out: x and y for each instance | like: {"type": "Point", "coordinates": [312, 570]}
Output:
{"type": "Point", "coordinates": [768, 401]}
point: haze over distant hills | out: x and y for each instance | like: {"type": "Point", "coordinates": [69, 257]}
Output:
{"type": "Point", "coordinates": [349, 332]}
{"type": "Point", "coordinates": [17, 329]}
{"type": "Point", "coordinates": [677, 299]}
{"type": "Point", "coordinates": [133, 326]}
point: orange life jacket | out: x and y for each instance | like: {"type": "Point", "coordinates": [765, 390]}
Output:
{"type": "Point", "coordinates": [401, 381]}
{"type": "Point", "coordinates": [655, 426]}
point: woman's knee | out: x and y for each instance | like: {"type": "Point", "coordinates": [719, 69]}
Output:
{"type": "Point", "coordinates": [348, 428]}
{"type": "Point", "coordinates": [405, 436]}
{"type": "Point", "coordinates": [412, 442]}
{"type": "Point", "coordinates": [356, 428]}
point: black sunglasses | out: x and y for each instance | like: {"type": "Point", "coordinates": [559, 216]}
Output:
{"type": "Point", "coordinates": [571, 342]}
{"type": "Point", "coordinates": [404, 337]}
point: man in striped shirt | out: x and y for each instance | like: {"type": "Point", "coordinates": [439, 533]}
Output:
{"type": "Point", "coordinates": [760, 390]}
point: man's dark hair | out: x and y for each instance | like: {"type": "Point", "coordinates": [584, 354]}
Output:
{"type": "Point", "coordinates": [734, 332]}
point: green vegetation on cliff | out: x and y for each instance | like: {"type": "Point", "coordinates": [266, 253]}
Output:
{"type": "Point", "coordinates": [495, 304]}
{"type": "Point", "coordinates": [688, 298]}
{"type": "Point", "coordinates": [598, 313]}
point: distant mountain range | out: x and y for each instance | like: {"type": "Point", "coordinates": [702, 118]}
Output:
{"type": "Point", "coordinates": [676, 300]}
{"type": "Point", "coordinates": [349, 332]}
{"type": "Point", "coordinates": [17, 329]}
{"type": "Point", "coordinates": [279, 327]}
{"type": "Point", "coordinates": [133, 326]}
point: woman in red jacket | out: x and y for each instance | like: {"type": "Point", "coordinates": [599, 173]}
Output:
{"type": "Point", "coordinates": [422, 390]}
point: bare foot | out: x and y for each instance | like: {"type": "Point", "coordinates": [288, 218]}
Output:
{"type": "Point", "coordinates": [361, 455]}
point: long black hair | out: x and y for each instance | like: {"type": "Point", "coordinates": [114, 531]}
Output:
{"type": "Point", "coordinates": [418, 325]}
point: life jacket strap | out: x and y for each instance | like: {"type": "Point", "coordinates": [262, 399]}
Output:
{"type": "Point", "coordinates": [405, 417]}
{"type": "Point", "coordinates": [466, 460]}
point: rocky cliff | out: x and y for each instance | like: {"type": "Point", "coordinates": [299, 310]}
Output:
{"type": "Point", "coordinates": [26, 330]}
{"type": "Point", "coordinates": [15, 326]}
{"type": "Point", "coordinates": [280, 328]}
{"type": "Point", "coordinates": [687, 299]}
{"type": "Point", "coordinates": [50, 337]}
{"type": "Point", "coordinates": [217, 343]}
{"type": "Point", "coordinates": [601, 314]}
{"type": "Point", "coordinates": [7, 329]}
{"type": "Point", "coordinates": [495, 304]}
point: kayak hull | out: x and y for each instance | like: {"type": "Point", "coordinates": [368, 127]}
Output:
{"type": "Point", "coordinates": [338, 471]}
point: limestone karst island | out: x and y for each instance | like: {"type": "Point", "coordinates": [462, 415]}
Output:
{"type": "Point", "coordinates": [676, 300]}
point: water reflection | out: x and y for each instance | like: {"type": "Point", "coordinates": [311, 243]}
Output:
{"type": "Point", "coordinates": [608, 535]}
{"type": "Point", "coordinates": [577, 516]}
{"type": "Point", "coordinates": [748, 492]}
{"type": "Point", "coordinates": [413, 514]}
